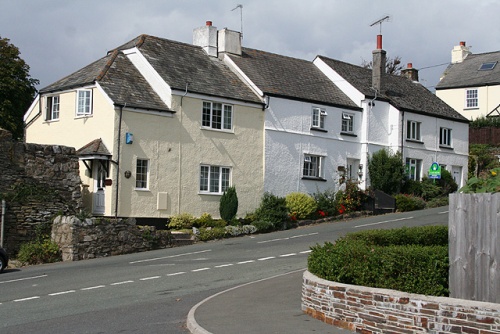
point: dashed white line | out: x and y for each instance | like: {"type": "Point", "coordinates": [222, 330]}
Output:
{"type": "Point", "coordinates": [383, 222]}
{"type": "Point", "coordinates": [267, 258]}
{"type": "Point", "coordinates": [120, 283]}
{"type": "Point", "coordinates": [224, 265]}
{"type": "Point", "coordinates": [170, 256]}
{"type": "Point", "coordinates": [288, 238]}
{"type": "Point", "coordinates": [201, 269]}
{"type": "Point", "coordinates": [25, 299]}
{"type": "Point", "coordinates": [177, 273]}
{"type": "Point", "coordinates": [23, 279]}
{"type": "Point", "coordinates": [93, 287]}
{"type": "Point", "coordinates": [245, 262]}
{"type": "Point", "coordinates": [61, 293]}
{"type": "Point", "coordinates": [442, 213]}
{"type": "Point", "coordinates": [287, 255]}
{"type": "Point", "coordinates": [306, 252]}
{"type": "Point", "coordinates": [149, 278]}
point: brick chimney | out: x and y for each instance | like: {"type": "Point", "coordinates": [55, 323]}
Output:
{"type": "Point", "coordinates": [206, 37]}
{"type": "Point", "coordinates": [459, 53]}
{"type": "Point", "coordinates": [410, 72]}
{"type": "Point", "coordinates": [378, 65]}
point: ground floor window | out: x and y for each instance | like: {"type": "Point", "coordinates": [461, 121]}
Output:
{"type": "Point", "coordinates": [413, 168]}
{"type": "Point", "coordinates": [312, 166]}
{"type": "Point", "coordinates": [141, 174]}
{"type": "Point", "coordinates": [214, 179]}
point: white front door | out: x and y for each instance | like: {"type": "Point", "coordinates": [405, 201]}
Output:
{"type": "Point", "coordinates": [457, 175]}
{"type": "Point", "coordinates": [98, 198]}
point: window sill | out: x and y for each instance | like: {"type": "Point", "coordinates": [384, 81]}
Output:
{"type": "Point", "coordinates": [217, 130]}
{"type": "Point", "coordinates": [210, 194]}
{"type": "Point", "coordinates": [446, 147]}
{"type": "Point", "coordinates": [313, 178]}
{"type": "Point", "coordinates": [350, 134]}
{"type": "Point", "coordinates": [414, 141]}
{"type": "Point", "coordinates": [142, 189]}
{"type": "Point", "coordinates": [83, 116]}
{"type": "Point", "coordinates": [318, 129]}
{"type": "Point", "coordinates": [51, 120]}
{"type": "Point", "coordinates": [471, 108]}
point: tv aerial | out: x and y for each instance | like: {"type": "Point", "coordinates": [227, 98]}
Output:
{"type": "Point", "coordinates": [240, 6]}
{"type": "Point", "coordinates": [380, 21]}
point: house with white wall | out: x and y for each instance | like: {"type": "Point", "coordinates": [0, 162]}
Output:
{"type": "Point", "coordinates": [400, 114]}
{"type": "Point", "coordinates": [471, 83]}
{"type": "Point", "coordinates": [161, 129]}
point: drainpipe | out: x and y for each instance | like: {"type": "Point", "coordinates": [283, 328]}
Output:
{"type": "Point", "coordinates": [179, 191]}
{"type": "Point", "coordinates": [118, 159]}
{"type": "Point", "coordinates": [3, 222]}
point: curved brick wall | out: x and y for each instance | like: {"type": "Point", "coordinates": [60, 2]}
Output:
{"type": "Point", "coordinates": [370, 310]}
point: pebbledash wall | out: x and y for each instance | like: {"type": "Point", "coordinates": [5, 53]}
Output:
{"type": "Point", "coordinates": [370, 310]}
{"type": "Point", "coordinates": [37, 182]}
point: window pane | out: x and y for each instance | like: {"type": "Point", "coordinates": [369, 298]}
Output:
{"type": "Point", "coordinates": [228, 117]}
{"type": "Point", "coordinates": [214, 179]}
{"type": "Point", "coordinates": [216, 115]}
{"type": "Point", "coordinates": [205, 118]}
{"type": "Point", "coordinates": [141, 177]}
{"type": "Point", "coordinates": [204, 178]}
{"type": "Point", "coordinates": [55, 107]}
{"type": "Point", "coordinates": [225, 179]}
{"type": "Point", "coordinates": [315, 117]}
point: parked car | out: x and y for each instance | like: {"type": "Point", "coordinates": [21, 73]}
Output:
{"type": "Point", "coordinates": [4, 259]}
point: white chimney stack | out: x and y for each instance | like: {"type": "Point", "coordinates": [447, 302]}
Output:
{"type": "Point", "coordinates": [206, 37]}
{"type": "Point", "coordinates": [459, 53]}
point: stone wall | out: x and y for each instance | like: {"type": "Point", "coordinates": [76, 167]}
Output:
{"type": "Point", "coordinates": [101, 237]}
{"type": "Point", "coordinates": [38, 182]}
{"type": "Point", "coordinates": [370, 310]}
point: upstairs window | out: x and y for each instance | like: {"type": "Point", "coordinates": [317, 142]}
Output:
{"type": "Point", "coordinates": [318, 118]}
{"type": "Point", "coordinates": [347, 123]}
{"type": "Point", "coordinates": [52, 108]}
{"type": "Point", "coordinates": [214, 179]}
{"type": "Point", "coordinates": [217, 116]}
{"type": "Point", "coordinates": [312, 166]}
{"type": "Point", "coordinates": [445, 137]}
{"type": "Point", "coordinates": [84, 102]}
{"type": "Point", "coordinates": [141, 174]}
{"type": "Point", "coordinates": [471, 100]}
{"type": "Point", "coordinates": [413, 130]}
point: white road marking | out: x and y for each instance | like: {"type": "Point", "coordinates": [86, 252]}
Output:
{"type": "Point", "coordinates": [25, 299]}
{"type": "Point", "coordinates": [177, 273]}
{"type": "Point", "coordinates": [120, 283]}
{"type": "Point", "coordinates": [93, 287]}
{"type": "Point", "coordinates": [149, 278]}
{"type": "Point", "coordinates": [441, 213]}
{"type": "Point", "coordinates": [288, 238]}
{"type": "Point", "coordinates": [245, 262]}
{"type": "Point", "coordinates": [201, 269]}
{"type": "Point", "coordinates": [267, 258]}
{"type": "Point", "coordinates": [170, 256]}
{"type": "Point", "coordinates": [23, 279]}
{"type": "Point", "coordinates": [306, 252]}
{"type": "Point", "coordinates": [287, 255]}
{"type": "Point", "coordinates": [383, 222]}
{"type": "Point", "coordinates": [61, 293]}
{"type": "Point", "coordinates": [224, 265]}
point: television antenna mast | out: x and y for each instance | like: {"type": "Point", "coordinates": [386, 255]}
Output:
{"type": "Point", "coordinates": [240, 6]}
{"type": "Point", "coordinates": [380, 21]}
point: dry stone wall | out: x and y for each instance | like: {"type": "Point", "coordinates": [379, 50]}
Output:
{"type": "Point", "coordinates": [38, 182]}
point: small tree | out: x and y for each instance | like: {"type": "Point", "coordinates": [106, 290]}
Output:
{"type": "Point", "coordinates": [387, 172]}
{"type": "Point", "coordinates": [228, 206]}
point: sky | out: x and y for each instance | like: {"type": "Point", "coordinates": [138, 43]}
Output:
{"type": "Point", "coordinates": [58, 37]}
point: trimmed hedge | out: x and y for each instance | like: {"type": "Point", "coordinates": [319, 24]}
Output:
{"type": "Point", "coordinates": [413, 260]}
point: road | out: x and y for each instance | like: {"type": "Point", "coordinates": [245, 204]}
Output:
{"type": "Point", "coordinates": [152, 292]}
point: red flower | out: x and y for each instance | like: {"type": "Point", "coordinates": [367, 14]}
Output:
{"type": "Point", "coordinates": [321, 213]}
{"type": "Point", "coordinates": [342, 209]}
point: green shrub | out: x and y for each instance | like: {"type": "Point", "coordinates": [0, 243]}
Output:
{"type": "Point", "coordinates": [214, 233]}
{"type": "Point", "coordinates": [181, 221]}
{"type": "Point", "coordinates": [429, 189]}
{"type": "Point", "coordinates": [205, 220]}
{"type": "Point", "coordinates": [437, 202]}
{"type": "Point", "coordinates": [325, 202]}
{"type": "Point", "coordinates": [400, 259]}
{"type": "Point", "coordinates": [38, 252]}
{"type": "Point", "coordinates": [228, 206]}
{"type": "Point", "coordinates": [263, 226]}
{"type": "Point", "coordinates": [412, 187]}
{"type": "Point", "coordinates": [488, 183]}
{"type": "Point", "coordinates": [386, 171]}
{"type": "Point", "coordinates": [273, 209]}
{"type": "Point", "coordinates": [300, 205]}
{"type": "Point", "coordinates": [406, 202]}
{"type": "Point", "coordinates": [350, 199]}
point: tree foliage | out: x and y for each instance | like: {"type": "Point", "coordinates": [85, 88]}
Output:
{"type": "Point", "coordinates": [17, 88]}
{"type": "Point", "coordinates": [228, 206]}
{"type": "Point", "coordinates": [387, 172]}
{"type": "Point", "coordinates": [392, 65]}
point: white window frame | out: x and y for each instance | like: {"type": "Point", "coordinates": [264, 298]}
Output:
{"type": "Point", "coordinates": [214, 179]}
{"type": "Point", "coordinates": [142, 174]}
{"type": "Point", "coordinates": [445, 137]}
{"type": "Point", "coordinates": [413, 130]}
{"type": "Point", "coordinates": [414, 169]}
{"type": "Point", "coordinates": [83, 102]}
{"type": "Point", "coordinates": [471, 99]}
{"type": "Point", "coordinates": [313, 166]}
{"type": "Point", "coordinates": [217, 116]}
{"type": "Point", "coordinates": [347, 123]}
{"type": "Point", "coordinates": [318, 118]}
{"type": "Point", "coordinates": [53, 103]}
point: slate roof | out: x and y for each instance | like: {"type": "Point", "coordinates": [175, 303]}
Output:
{"type": "Point", "coordinates": [467, 73]}
{"type": "Point", "coordinates": [95, 147]}
{"type": "Point", "coordinates": [292, 78]}
{"type": "Point", "coordinates": [177, 63]}
{"type": "Point", "coordinates": [399, 91]}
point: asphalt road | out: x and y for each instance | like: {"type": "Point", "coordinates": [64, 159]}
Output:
{"type": "Point", "coordinates": [152, 292]}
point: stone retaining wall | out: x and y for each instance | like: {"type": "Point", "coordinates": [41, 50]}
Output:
{"type": "Point", "coordinates": [99, 237]}
{"type": "Point", "coordinates": [370, 310]}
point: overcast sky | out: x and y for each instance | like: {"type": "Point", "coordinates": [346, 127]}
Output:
{"type": "Point", "coordinates": [58, 37]}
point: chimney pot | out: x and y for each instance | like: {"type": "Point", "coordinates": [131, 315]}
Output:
{"type": "Point", "coordinates": [462, 43]}
{"type": "Point", "coordinates": [379, 42]}
{"type": "Point", "coordinates": [209, 23]}
{"type": "Point", "coordinates": [410, 65]}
